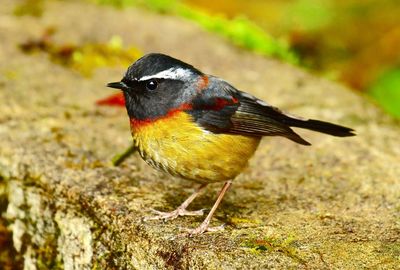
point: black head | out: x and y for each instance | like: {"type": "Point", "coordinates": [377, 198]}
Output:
{"type": "Point", "coordinates": [155, 84]}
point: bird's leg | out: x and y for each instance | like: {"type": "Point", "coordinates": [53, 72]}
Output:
{"type": "Point", "coordinates": [204, 226]}
{"type": "Point", "coordinates": [181, 210]}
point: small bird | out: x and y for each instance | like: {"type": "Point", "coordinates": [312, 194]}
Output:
{"type": "Point", "coordinates": [199, 127]}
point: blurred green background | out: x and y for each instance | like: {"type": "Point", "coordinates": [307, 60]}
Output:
{"type": "Point", "coordinates": [355, 42]}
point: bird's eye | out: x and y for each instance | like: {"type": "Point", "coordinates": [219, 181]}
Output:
{"type": "Point", "coordinates": [151, 85]}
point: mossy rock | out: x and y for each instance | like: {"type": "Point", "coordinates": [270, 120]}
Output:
{"type": "Point", "coordinates": [332, 205]}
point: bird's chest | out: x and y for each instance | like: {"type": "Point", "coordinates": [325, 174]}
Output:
{"type": "Point", "coordinates": [177, 145]}
{"type": "Point", "coordinates": [163, 143]}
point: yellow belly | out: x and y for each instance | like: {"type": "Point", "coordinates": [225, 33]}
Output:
{"type": "Point", "coordinates": [180, 147]}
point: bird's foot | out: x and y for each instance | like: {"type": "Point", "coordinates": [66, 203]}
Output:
{"type": "Point", "coordinates": [202, 229]}
{"type": "Point", "coordinates": [174, 214]}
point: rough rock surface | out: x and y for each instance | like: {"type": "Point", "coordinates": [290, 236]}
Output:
{"type": "Point", "coordinates": [334, 205]}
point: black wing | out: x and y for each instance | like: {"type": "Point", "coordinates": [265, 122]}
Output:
{"type": "Point", "coordinates": [228, 110]}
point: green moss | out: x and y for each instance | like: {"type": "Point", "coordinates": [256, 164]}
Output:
{"type": "Point", "coordinates": [47, 255]}
{"type": "Point", "coordinates": [240, 30]}
{"type": "Point", "coordinates": [286, 246]}
{"type": "Point", "coordinates": [392, 249]}
{"type": "Point", "coordinates": [236, 221]}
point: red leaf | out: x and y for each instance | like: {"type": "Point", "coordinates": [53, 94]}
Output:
{"type": "Point", "coordinates": [117, 100]}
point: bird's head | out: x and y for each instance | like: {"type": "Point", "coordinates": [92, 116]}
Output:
{"type": "Point", "coordinates": [156, 84]}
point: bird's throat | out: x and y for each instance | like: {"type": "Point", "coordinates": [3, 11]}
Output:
{"type": "Point", "coordinates": [137, 123]}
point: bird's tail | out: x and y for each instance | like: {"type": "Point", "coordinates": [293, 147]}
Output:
{"type": "Point", "coordinates": [320, 126]}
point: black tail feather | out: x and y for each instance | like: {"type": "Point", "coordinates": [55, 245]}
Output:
{"type": "Point", "coordinates": [315, 125]}
{"type": "Point", "coordinates": [321, 126]}
{"type": "Point", "coordinates": [296, 138]}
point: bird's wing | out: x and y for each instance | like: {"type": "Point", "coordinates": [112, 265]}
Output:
{"type": "Point", "coordinates": [227, 110]}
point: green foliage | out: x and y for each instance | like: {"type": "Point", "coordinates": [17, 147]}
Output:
{"type": "Point", "coordinates": [386, 91]}
{"type": "Point", "coordinates": [240, 30]}
{"type": "Point", "coordinates": [310, 15]}
{"type": "Point", "coordinates": [316, 21]}
{"type": "Point", "coordinates": [84, 58]}
{"type": "Point", "coordinates": [87, 57]}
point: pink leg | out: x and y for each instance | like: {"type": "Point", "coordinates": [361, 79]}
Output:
{"type": "Point", "coordinates": [204, 226]}
{"type": "Point", "coordinates": [181, 210]}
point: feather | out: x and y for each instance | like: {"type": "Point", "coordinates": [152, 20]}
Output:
{"type": "Point", "coordinates": [228, 110]}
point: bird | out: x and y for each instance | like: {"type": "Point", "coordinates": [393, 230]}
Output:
{"type": "Point", "coordinates": [199, 127]}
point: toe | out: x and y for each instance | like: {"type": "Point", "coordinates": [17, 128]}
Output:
{"type": "Point", "coordinates": [173, 215]}
{"type": "Point", "coordinates": [202, 229]}
{"type": "Point", "coordinates": [162, 215]}
{"type": "Point", "coordinates": [216, 229]}
{"type": "Point", "coordinates": [192, 213]}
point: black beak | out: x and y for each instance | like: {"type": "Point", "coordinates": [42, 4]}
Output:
{"type": "Point", "coordinates": [118, 85]}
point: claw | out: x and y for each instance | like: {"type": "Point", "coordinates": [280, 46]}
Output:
{"type": "Point", "coordinates": [193, 213]}
{"type": "Point", "coordinates": [204, 226]}
{"type": "Point", "coordinates": [181, 210]}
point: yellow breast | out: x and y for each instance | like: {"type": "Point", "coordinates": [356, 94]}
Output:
{"type": "Point", "coordinates": [180, 147]}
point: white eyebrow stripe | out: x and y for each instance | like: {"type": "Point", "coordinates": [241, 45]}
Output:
{"type": "Point", "coordinates": [172, 73]}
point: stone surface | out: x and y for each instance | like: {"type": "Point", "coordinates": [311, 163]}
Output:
{"type": "Point", "coordinates": [334, 205]}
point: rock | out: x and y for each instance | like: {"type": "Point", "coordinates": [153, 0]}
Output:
{"type": "Point", "coordinates": [332, 205]}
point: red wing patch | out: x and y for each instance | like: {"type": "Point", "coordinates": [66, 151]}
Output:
{"type": "Point", "coordinates": [202, 83]}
